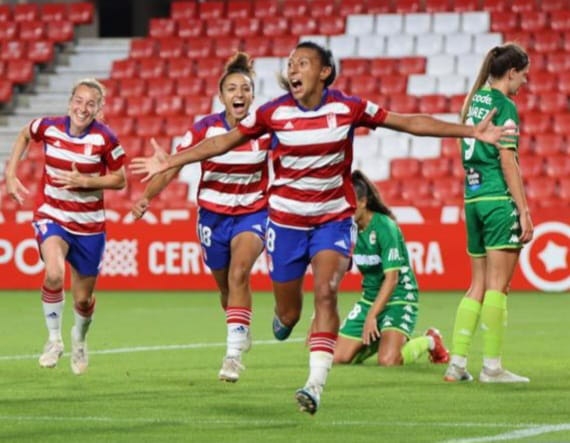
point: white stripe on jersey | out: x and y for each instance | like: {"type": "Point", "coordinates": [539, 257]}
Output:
{"type": "Point", "coordinates": [73, 196]}
{"type": "Point", "coordinates": [70, 156]}
{"type": "Point", "coordinates": [291, 112]}
{"type": "Point", "coordinates": [240, 158]}
{"type": "Point", "coordinates": [93, 139]}
{"type": "Point", "coordinates": [309, 209]}
{"type": "Point", "coordinates": [311, 183]}
{"type": "Point", "coordinates": [54, 172]}
{"type": "Point", "coordinates": [311, 161]}
{"type": "Point", "coordinates": [231, 179]}
{"type": "Point", "coordinates": [73, 216]}
{"type": "Point", "coordinates": [232, 200]}
{"type": "Point", "coordinates": [300, 137]}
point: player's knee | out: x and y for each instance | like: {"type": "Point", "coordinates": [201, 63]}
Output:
{"type": "Point", "coordinates": [239, 275]}
{"type": "Point", "coordinates": [340, 359]}
{"type": "Point", "coordinates": [390, 359]}
{"type": "Point", "coordinates": [53, 279]}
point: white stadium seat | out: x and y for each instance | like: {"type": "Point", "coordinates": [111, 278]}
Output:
{"type": "Point", "coordinates": [322, 40]}
{"type": "Point", "coordinates": [425, 147]}
{"type": "Point", "coordinates": [370, 46]}
{"type": "Point", "coordinates": [458, 44]}
{"type": "Point", "coordinates": [446, 22]}
{"type": "Point", "coordinates": [400, 45]}
{"type": "Point", "coordinates": [441, 64]}
{"type": "Point", "coordinates": [359, 24]}
{"type": "Point", "coordinates": [395, 145]}
{"type": "Point", "coordinates": [389, 24]}
{"type": "Point", "coordinates": [475, 22]}
{"type": "Point", "coordinates": [468, 63]}
{"type": "Point", "coordinates": [420, 84]}
{"type": "Point", "coordinates": [429, 44]}
{"type": "Point", "coordinates": [343, 46]}
{"type": "Point", "coordinates": [451, 85]}
{"type": "Point", "coordinates": [485, 42]}
{"type": "Point", "coordinates": [419, 23]}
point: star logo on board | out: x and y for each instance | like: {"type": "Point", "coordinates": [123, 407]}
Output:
{"type": "Point", "coordinates": [554, 257]}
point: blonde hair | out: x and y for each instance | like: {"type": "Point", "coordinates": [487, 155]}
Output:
{"type": "Point", "coordinates": [495, 65]}
{"type": "Point", "coordinates": [94, 84]}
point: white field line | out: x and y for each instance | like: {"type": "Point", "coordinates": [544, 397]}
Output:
{"type": "Point", "coordinates": [531, 431]}
{"type": "Point", "coordinates": [153, 348]}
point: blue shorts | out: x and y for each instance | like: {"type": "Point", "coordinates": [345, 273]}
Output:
{"type": "Point", "coordinates": [290, 250]}
{"type": "Point", "coordinates": [216, 232]}
{"type": "Point", "coordinates": [85, 251]}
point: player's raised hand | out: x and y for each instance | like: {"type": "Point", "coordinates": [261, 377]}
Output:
{"type": "Point", "coordinates": [140, 207]}
{"type": "Point", "coordinates": [16, 189]}
{"type": "Point", "coordinates": [151, 165]}
{"type": "Point", "coordinates": [487, 132]}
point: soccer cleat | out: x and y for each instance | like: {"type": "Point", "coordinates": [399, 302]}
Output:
{"type": "Point", "coordinates": [53, 350]}
{"type": "Point", "coordinates": [280, 331]}
{"type": "Point", "coordinates": [231, 367]}
{"type": "Point", "coordinates": [500, 375]}
{"type": "Point", "coordinates": [79, 359]}
{"type": "Point", "coordinates": [456, 373]}
{"type": "Point", "coordinates": [365, 352]}
{"type": "Point", "coordinates": [439, 354]}
{"type": "Point", "coordinates": [308, 398]}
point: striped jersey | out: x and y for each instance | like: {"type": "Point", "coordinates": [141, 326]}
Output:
{"type": "Point", "coordinates": [233, 183]}
{"type": "Point", "coordinates": [312, 155]}
{"type": "Point", "coordinates": [96, 151]}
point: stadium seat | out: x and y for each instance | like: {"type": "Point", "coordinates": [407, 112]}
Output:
{"type": "Point", "coordinates": [417, 192]}
{"type": "Point", "coordinates": [458, 43]}
{"type": "Point", "coordinates": [343, 45]}
{"type": "Point", "coordinates": [539, 190]}
{"type": "Point", "coordinates": [383, 66]}
{"type": "Point", "coordinates": [81, 13]}
{"type": "Point", "coordinates": [429, 44]}
{"type": "Point", "coordinates": [482, 43]}
{"type": "Point", "coordinates": [177, 126]}
{"type": "Point", "coordinates": [122, 126]}
{"type": "Point", "coordinates": [525, 146]}
{"type": "Point", "coordinates": [183, 10]}
{"type": "Point", "coordinates": [20, 72]}
{"type": "Point", "coordinates": [504, 21]}
{"type": "Point", "coordinates": [169, 106]}
{"type": "Point", "coordinates": [425, 147]}
{"type": "Point", "coordinates": [61, 32]}
{"type": "Point", "coordinates": [390, 190]}
{"type": "Point", "coordinates": [160, 87]}
{"type": "Point", "coordinates": [394, 145]}
{"type": "Point", "coordinates": [54, 12]}
{"type": "Point", "coordinates": [361, 24]}
{"type": "Point", "coordinates": [535, 123]}
{"type": "Point", "coordinates": [370, 46]}
{"type": "Point", "coordinates": [112, 86]}
{"type": "Point", "coordinates": [342, 83]}
{"type": "Point", "coordinates": [393, 84]}
{"type": "Point", "coordinates": [389, 24]}
{"type": "Point", "coordinates": [456, 102]}
{"type": "Point", "coordinates": [323, 8]}
{"type": "Point", "coordinates": [456, 167]}
{"type": "Point", "coordinates": [171, 47]}
{"type": "Point", "coordinates": [114, 107]}
{"type": "Point", "coordinates": [361, 85]}
{"type": "Point", "coordinates": [560, 20]}
{"type": "Point", "coordinates": [465, 5]}
{"type": "Point", "coordinates": [162, 28]}
{"type": "Point", "coordinates": [379, 7]}
{"type": "Point", "coordinates": [549, 144]}
{"type": "Point", "coordinates": [412, 65]}
{"type": "Point", "coordinates": [176, 191]}
{"type": "Point", "coordinates": [432, 168]}
{"type": "Point", "coordinates": [331, 25]}
{"type": "Point", "coordinates": [153, 67]}
{"type": "Point", "coordinates": [523, 6]}
{"type": "Point", "coordinates": [451, 84]}
{"type": "Point", "coordinates": [13, 50]}
{"type": "Point", "coordinates": [405, 168]}
{"type": "Point", "coordinates": [180, 68]}
{"type": "Point", "coordinates": [212, 9]}
{"type": "Point", "coordinates": [226, 47]}
{"type": "Point", "coordinates": [442, 64]}
{"type": "Point", "coordinates": [475, 22]}
{"type": "Point", "coordinates": [557, 62]}
{"type": "Point", "coordinates": [143, 48]}
{"type": "Point", "coordinates": [6, 90]}
{"type": "Point", "coordinates": [295, 8]}
{"type": "Point", "coordinates": [542, 81]}
{"type": "Point", "coordinates": [531, 167]}
{"type": "Point", "coordinates": [32, 30]}
{"type": "Point", "coordinates": [400, 45]}
{"type": "Point", "coordinates": [201, 47]}
{"type": "Point", "coordinates": [211, 86]}
{"type": "Point", "coordinates": [191, 28]}
{"type": "Point", "coordinates": [132, 87]}
{"type": "Point", "coordinates": [209, 67]}
{"type": "Point", "coordinates": [304, 26]}
{"type": "Point", "coordinates": [557, 166]}
{"type": "Point", "coordinates": [266, 8]}
{"type": "Point", "coordinates": [239, 10]}
{"type": "Point", "coordinates": [149, 126]}
{"type": "Point", "coordinates": [450, 148]}
{"type": "Point", "coordinates": [139, 106]}
{"type": "Point", "coordinates": [564, 82]}
{"type": "Point", "coordinates": [564, 190]}
{"type": "Point", "coordinates": [275, 26]}
{"type": "Point", "coordinates": [561, 124]}
{"type": "Point", "coordinates": [547, 41]}
{"type": "Point", "coordinates": [189, 86]}
{"type": "Point", "coordinates": [526, 102]}
{"type": "Point", "coordinates": [124, 69]}
{"type": "Point", "coordinates": [553, 102]}
{"type": "Point", "coordinates": [257, 46]}
{"type": "Point", "coordinates": [218, 27]}
{"type": "Point", "coordinates": [419, 84]}
{"type": "Point", "coordinates": [433, 104]}
{"type": "Point", "coordinates": [408, 7]}
{"type": "Point", "coordinates": [432, 6]}
{"type": "Point", "coordinates": [351, 7]}
{"type": "Point", "coordinates": [26, 12]}
{"type": "Point", "coordinates": [197, 105]}
{"type": "Point", "coordinates": [403, 103]}
{"type": "Point", "coordinates": [282, 46]}
{"type": "Point", "coordinates": [41, 51]}
{"type": "Point", "coordinates": [566, 41]}
{"type": "Point", "coordinates": [418, 23]}
{"type": "Point", "coordinates": [447, 190]}
{"type": "Point", "coordinates": [248, 27]}
{"type": "Point", "coordinates": [533, 21]}
{"type": "Point", "coordinates": [5, 14]}
{"type": "Point", "coordinates": [495, 5]}
{"type": "Point", "coordinates": [9, 31]}
{"type": "Point", "coordinates": [446, 22]}
{"type": "Point", "coordinates": [354, 66]}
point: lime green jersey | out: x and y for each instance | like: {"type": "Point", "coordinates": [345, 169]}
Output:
{"type": "Point", "coordinates": [380, 247]}
{"type": "Point", "coordinates": [483, 174]}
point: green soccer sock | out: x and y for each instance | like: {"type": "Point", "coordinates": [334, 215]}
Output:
{"type": "Point", "coordinates": [414, 349]}
{"type": "Point", "coordinates": [493, 322]}
{"type": "Point", "coordinates": [466, 319]}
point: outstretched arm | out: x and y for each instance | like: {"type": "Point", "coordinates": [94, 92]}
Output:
{"type": "Point", "coordinates": [207, 148]}
{"type": "Point", "coordinates": [14, 186]}
{"type": "Point", "coordinates": [421, 124]}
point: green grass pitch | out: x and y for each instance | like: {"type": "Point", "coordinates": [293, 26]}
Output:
{"type": "Point", "coordinates": [154, 359]}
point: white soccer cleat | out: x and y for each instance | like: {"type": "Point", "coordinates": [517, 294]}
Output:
{"type": "Point", "coordinates": [309, 398]}
{"type": "Point", "coordinates": [79, 359]}
{"type": "Point", "coordinates": [53, 350]}
{"type": "Point", "coordinates": [500, 376]}
{"type": "Point", "coordinates": [231, 367]}
{"type": "Point", "coordinates": [456, 373]}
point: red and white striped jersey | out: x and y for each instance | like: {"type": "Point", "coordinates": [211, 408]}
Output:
{"type": "Point", "coordinates": [80, 211]}
{"type": "Point", "coordinates": [233, 183]}
{"type": "Point", "coordinates": [312, 155]}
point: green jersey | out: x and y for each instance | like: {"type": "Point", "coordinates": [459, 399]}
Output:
{"type": "Point", "coordinates": [483, 174]}
{"type": "Point", "coordinates": [380, 248]}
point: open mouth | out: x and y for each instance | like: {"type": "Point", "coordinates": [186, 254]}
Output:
{"type": "Point", "coordinates": [296, 85]}
{"type": "Point", "coordinates": [238, 106]}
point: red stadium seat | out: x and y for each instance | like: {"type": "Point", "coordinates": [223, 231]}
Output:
{"type": "Point", "coordinates": [549, 144]}
{"type": "Point", "coordinates": [26, 12]}
{"type": "Point", "coordinates": [266, 8]}
{"type": "Point", "coordinates": [183, 10]}
{"type": "Point", "coordinates": [219, 27]}
{"type": "Point", "coordinates": [523, 39]}
{"type": "Point", "coordinates": [354, 66]}
{"type": "Point", "coordinates": [450, 148]}
{"type": "Point", "coordinates": [331, 25]}
{"type": "Point", "coordinates": [162, 28]}
{"type": "Point", "coordinates": [417, 191]}
{"type": "Point", "coordinates": [257, 46]}
{"type": "Point", "coordinates": [114, 107]}
{"type": "Point", "coordinates": [132, 145]}
{"type": "Point", "coordinates": [191, 28]}
{"type": "Point", "coordinates": [54, 12]}
{"type": "Point", "coordinates": [564, 190]}
{"type": "Point", "coordinates": [547, 41]}
{"type": "Point", "coordinates": [523, 6]}
{"type": "Point", "coordinates": [160, 87]}
{"type": "Point", "coordinates": [504, 21]}
{"type": "Point", "coordinates": [447, 190]}
{"type": "Point", "coordinates": [201, 47]}
{"type": "Point", "coordinates": [171, 47]}
{"type": "Point", "coordinates": [433, 6]}
{"type": "Point", "coordinates": [211, 86]}
{"type": "Point", "coordinates": [20, 71]}
{"type": "Point", "coordinates": [433, 104]}
{"type": "Point", "coordinates": [8, 31]}
{"type": "Point", "coordinates": [564, 82]}
{"type": "Point", "coordinates": [379, 7]}
{"type": "Point", "coordinates": [435, 167]}
{"type": "Point", "coordinates": [405, 168]}
{"type": "Point", "coordinates": [351, 7]}
{"type": "Point", "coordinates": [248, 27]}
{"type": "Point", "coordinates": [553, 102]}
{"type": "Point", "coordinates": [6, 91]}
{"type": "Point", "coordinates": [526, 102]}
{"type": "Point", "coordinates": [176, 191]}
{"type": "Point", "coordinates": [13, 50]}
{"type": "Point", "coordinates": [122, 126]}
{"type": "Point", "coordinates": [456, 167]}
{"type": "Point", "coordinates": [342, 83]}
{"type": "Point", "coordinates": [362, 85]}
{"type": "Point", "coordinates": [403, 103]}
{"type": "Point", "coordinates": [456, 103]}
{"type": "Point", "coordinates": [112, 87]}
{"type": "Point", "coordinates": [239, 9]}
{"type": "Point", "coordinates": [212, 9]}
{"type": "Point", "coordinates": [557, 166]}
{"type": "Point", "coordinates": [390, 84]}
{"type": "Point", "coordinates": [226, 47]}
{"type": "Point", "coordinates": [5, 14]}
{"type": "Point", "coordinates": [81, 13]}
{"type": "Point", "coordinates": [539, 190]}
{"type": "Point", "coordinates": [60, 32]}
{"type": "Point", "coordinates": [275, 26]}
{"type": "Point", "coordinates": [323, 8]}
{"type": "Point", "coordinates": [554, 6]}
{"type": "Point", "coordinates": [535, 123]}
{"type": "Point", "coordinates": [209, 67]}
{"type": "Point", "coordinates": [132, 87]}
{"type": "Point", "coordinates": [533, 21]}
{"type": "Point", "coordinates": [538, 60]}
{"type": "Point", "coordinates": [126, 68]}
{"type": "Point", "coordinates": [41, 51]}
{"type": "Point", "coordinates": [531, 166]}
{"type": "Point", "coordinates": [412, 65]}
{"type": "Point", "coordinates": [189, 86]}
{"type": "Point", "coordinates": [408, 7]}
{"type": "Point", "coordinates": [560, 20]}
{"type": "Point", "coordinates": [542, 81]}
{"type": "Point", "coordinates": [32, 30]}
{"type": "Point", "coordinates": [304, 26]}
{"type": "Point", "coordinates": [389, 190]}
{"type": "Point", "coordinates": [147, 126]}
{"type": "Point", "coordinates": [383, 66]}
{"type": "Point", "coordinates": [197, 105]}
{"type": "Point", "coordinates": [566, 41]}
{"type": "Point", "coordinates": [465, 5]}
{"type": "Point", "coordinates": [282, 46]}
{"type": "Point", "coordinates": [561, 124]}
{"type": "Point", "coordinates": [153, 67]}
{"type": "Point", "coordinates": [525, 146]}
{"type": "Point", "coordinates": [176, 126]}
{"type": "Point", "coordinates": [495, 5]}
{"type": "Point", "coordinates": [143, 48]}
{"type": "Point", "coordinates": [557, 62]}
{"type": "Point", "coordinates": [139, 106]}
{"type": "Point", "coordinates": [295, 8]}
{"type": "Point", "coordinates": [180, 68]}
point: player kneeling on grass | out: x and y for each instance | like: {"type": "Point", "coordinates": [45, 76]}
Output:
{"type": "Point", "coordinates": [82, 158]}
{"type": "Point", "coordinates": [385, 317]}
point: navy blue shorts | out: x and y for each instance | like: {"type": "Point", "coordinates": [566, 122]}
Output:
{"type": "Point", "coordinates": [216, 232]}
{"type": "Point", "coordinates": [85, 251]}
{"type": "Point", "coordinates": [291, 250]}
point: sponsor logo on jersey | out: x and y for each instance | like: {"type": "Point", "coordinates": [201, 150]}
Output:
{"type": "Point", "coordinates": [393, 254]}
{"type": "Point", "coordinates": [88, 149]}
{"type": "Point", "coordinates": [372, 238]}
{"type": "Point", "coordinates": [117, 152]}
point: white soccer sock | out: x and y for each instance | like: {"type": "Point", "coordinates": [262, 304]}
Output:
{"type": "Point", "coordinates": [52, 314]}
{"type": "Point", "coordinates": [320, 363]}
{"type": "Point", "coordinates": [81, 325]}
{"type": "Point", "coordinates": [237, 339]}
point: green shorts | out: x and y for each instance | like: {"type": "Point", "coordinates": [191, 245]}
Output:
{"type": "Point", "coordinates": [399, 316]}
{"type": "Point", "coordinates": [492, 224]}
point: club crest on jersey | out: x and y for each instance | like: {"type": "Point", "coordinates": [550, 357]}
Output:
{"type": "Point", "coordinates": [372, 238]}
{"type": "Point", "coordinates": [88, 149]}
{"type": "Point", "coordinates": [331, 120]}
{"type": "Point", "coordinates": [254, 145]}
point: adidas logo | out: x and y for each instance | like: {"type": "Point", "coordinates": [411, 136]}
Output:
{"type": "Point", "coordinates": [289, 125]}
{"type": "Point", "coordinates": [258, 227]}
{"type": "Point", "coordinates": [57, 144]}
{"type": "Point", "coordinates": [52, 315]}
{"type": "Point", "coordinates": [341, 244]}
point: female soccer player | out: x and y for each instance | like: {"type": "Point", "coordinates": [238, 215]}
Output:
{"type": "Point", "coordinates": [311, 201]}
{"type": "Point", "coordinates": [385, 317]}
{"type": "Point", "coordinates": [497, 216]}
{"type": "Point", "coordinates": [82, 158]}
{"type": "Point", "coordinates": [232, 197]}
